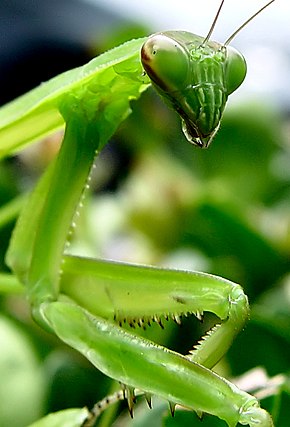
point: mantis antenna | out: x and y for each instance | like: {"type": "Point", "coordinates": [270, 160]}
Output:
{"type": "Point", "coordinates": [213, 24]}
{"type": "Point", "coordinates": [228, 41]}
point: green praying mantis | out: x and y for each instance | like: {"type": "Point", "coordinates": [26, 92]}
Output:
{"type": "Point", "coordinates": [86, 301]}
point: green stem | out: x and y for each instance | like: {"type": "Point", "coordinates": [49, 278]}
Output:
{"type": "Point", "coordinates": [11, 210]}
{"type": "Point", "coordinates": [10, 285]}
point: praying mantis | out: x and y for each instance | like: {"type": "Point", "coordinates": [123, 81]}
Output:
{"type": "Point", "coordinates": [86, 301]}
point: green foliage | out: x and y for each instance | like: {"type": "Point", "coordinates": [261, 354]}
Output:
{"type": "Point", "coordinates": [22, 380]}
{"type": "Point", "coordinates": [66, 418]}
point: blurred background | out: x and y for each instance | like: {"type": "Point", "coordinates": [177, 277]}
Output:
{"type": "Point", "coordinates": [156, 199]}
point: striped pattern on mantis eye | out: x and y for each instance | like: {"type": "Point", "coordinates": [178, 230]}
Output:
{"type": "Point", "coordinates": [195, 76]}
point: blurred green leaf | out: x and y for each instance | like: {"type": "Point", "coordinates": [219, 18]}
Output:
{"type": "Point", "coordinates": [66, 418]}
{"type": "Point", "coordinates": [22, 385]}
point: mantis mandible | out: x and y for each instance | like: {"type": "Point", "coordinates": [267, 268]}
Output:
{"type": "Point", "coordinates": [84, 301]}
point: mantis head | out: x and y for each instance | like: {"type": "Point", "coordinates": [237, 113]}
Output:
{"type": "Point", "coordinates": [195, 76]}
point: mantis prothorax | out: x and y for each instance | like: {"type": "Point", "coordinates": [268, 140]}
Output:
{"type": "Point", "coordinates": [83, 300]}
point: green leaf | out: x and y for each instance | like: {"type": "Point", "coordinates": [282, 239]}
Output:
{"type": "Point", "coordinates": [66, 418]}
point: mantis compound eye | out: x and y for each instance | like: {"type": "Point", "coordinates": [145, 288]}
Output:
{"type": "Point", "coordinates": [166, 62]}
{"type": "Point", "coordinates": [235, 69]}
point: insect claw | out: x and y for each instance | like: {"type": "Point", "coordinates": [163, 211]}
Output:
{"type": "Point", "coordinates": [131, 399]}
{"type": "Point", "coordinates": [131, 410]}
{"type": "Point", "coordinates": [141, 324]}
{"type": "Point", "coordinates": [148, 400]}
{"type": "Point", "coordinates": [172, 408]}
{"type": "Point", "coordinates": [131, 324]}
{"type": "Point", "coordinates": [176, 319]}
{"type": "Point", "coordinates": [160, 324]}
{"type": "Point", "coordinates": [200, 414]}
{"type": "Point", "coordinates": [158, 320]}
{"type": "Point", "coordinates": [199, 315]}
{"type": "Point", "coordinates": [123, 389]}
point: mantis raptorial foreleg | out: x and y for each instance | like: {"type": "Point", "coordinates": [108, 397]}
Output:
{"type": "Point", "coordinates": [84, 301]}
{"type": "Point", "coordinates": [87, 320]}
